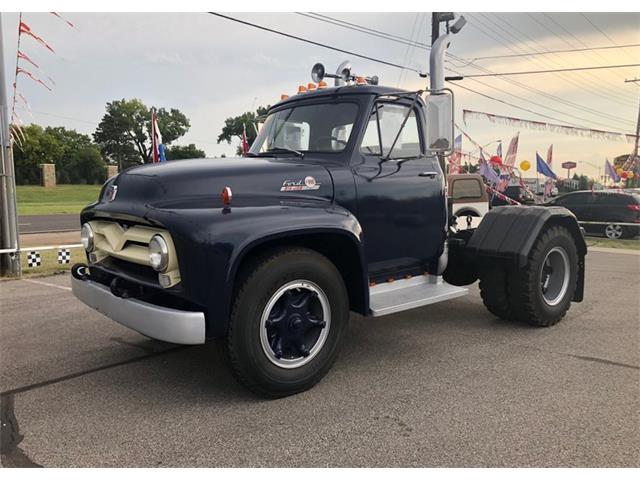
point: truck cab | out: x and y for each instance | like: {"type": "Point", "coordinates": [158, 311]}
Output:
{"type": "Point", "coordinates": [339, 207]}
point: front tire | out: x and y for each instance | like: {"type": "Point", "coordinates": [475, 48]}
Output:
{"type": "Point", "coordinates": [287, 322]}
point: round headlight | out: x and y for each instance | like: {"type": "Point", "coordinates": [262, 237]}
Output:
{"type": "Point", "coordinates": [158, 253]}
{"type": "Point", "coordinates": [86, 237]}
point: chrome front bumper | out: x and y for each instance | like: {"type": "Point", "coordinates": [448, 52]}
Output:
{"type": "Point", "coordinates": [161, 323]}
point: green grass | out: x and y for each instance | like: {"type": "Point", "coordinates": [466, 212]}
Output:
{"type": "Point", "coordinates": [35, 200]}
{"type": "Point", "coordinates": [607, 243]}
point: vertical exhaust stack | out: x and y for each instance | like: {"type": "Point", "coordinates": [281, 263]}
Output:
{"type": "Point", "coordinates": [436, 62]}
{"type": "Point", "coordinates": [438, 52]}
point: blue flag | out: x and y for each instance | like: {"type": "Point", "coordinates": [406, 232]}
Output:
{"type": "Point", "coordinates": [543, 168]}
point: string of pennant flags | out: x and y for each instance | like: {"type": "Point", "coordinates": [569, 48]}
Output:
{"type": "Point", "coordinates": [25, 66]}
{"type": "Point", "coordinates": [549, 127]}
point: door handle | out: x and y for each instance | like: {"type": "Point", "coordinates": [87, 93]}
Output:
{"type": "Point", "coordinates": [431, 175]}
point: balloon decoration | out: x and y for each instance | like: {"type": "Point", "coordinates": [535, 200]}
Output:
{"type": "Point", "coordinates": [624, 175]}
{"type": "Point", "coordinates": [619, 171]}
{"type": "Point", "coordinates": [496, 160]}
{"type": "Point", "coordinates": [525, 165]}
{"type": "Point", "coordinates": [630, 175]}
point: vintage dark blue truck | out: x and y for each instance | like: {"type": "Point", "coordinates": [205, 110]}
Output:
{"type": "Point", "coordinates": [339, 207]}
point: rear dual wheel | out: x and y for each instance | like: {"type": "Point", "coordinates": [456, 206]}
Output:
{"type": "Point", "coordinates": [287, 322]}
{"type": "Point", "coordinates": [541, 292]}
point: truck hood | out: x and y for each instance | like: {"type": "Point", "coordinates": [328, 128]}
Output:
{"type": "Point", "coordinates": [199, 183]}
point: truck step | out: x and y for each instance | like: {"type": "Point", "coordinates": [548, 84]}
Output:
{"type": "Point", "coordinates": [400, 295]}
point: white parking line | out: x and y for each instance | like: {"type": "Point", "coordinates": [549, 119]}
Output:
{"type": "Point", "coordinates": [38, 282]}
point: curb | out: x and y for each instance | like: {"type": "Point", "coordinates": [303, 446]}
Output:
{"type": "Point", "coordinates": [624, 251]}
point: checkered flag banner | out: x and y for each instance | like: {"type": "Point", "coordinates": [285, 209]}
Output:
{"type": "Point", "coordinates": [64, 255]}
{"type": "Point", "coordinates": [33, 259]}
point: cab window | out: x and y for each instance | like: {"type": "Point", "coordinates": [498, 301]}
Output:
{"type": "Point", "coordinates": [466, 188]}
{"type": "Point", "coordinates": [324, 128]}
{"type": "Point", "coordinates": [383, 126]}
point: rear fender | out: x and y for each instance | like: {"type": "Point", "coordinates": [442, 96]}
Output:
{"type": "Point", "coordinates": [507, 234]}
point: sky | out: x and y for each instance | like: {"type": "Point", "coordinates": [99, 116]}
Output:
{"type": "Point", "coordinates": [211, 68]}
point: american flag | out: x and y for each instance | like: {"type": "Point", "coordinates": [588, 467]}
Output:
{"type": "Point", "coordinates": [245, 142]}
{"type": "Point", "coordinates": [157, 148]}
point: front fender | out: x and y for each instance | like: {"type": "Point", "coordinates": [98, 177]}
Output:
{"type": "Point", "coordinates": [211, 246]}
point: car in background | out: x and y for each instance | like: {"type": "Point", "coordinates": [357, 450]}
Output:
{"type": "Point", "coordinates": [609, 212]}
{"type": "Point", "coordinates": [515, 192]}
{"type": "Point", "coordinates": [469, 199]}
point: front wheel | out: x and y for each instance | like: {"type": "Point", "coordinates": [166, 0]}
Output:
{"type": "Point", "coordinates": [287, 322]}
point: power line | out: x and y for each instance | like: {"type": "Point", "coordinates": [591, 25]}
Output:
{"type": "Point", "coordinates": [555, 70]}
{"type": "Point", "coordinates": [277, 32]}
{"type": "Point", "coordinates": [312, 42]}
{"type": "Point", "coordinates": [551, 52]}
{"type": "Point", "coordinates": [575, 82]}
{"type": "Point", "coordinates": [603, 33]}
{"type": "Point", "coordinates": [365, 30]}
{"type": "Point", "coordinates": [402, 40]}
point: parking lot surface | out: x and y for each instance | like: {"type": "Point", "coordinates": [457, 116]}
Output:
{"type": "Point", "coordinates": [444, 385]}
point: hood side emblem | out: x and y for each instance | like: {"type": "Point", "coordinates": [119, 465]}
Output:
{"type": "Point", "coordinates": [309, 183]}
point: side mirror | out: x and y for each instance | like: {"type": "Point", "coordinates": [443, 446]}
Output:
{"type": "Point", "coordinates": [439, 129]}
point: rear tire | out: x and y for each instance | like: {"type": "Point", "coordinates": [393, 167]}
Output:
{"type": "Point", "coordinates": [494, 292]}
{"type": "Point", "coordinates": [287, 322]}
{"type": "Point", "coordinates": [540, 293]}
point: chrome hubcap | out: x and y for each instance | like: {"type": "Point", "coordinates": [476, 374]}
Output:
{"type": "Point", "coordinates": [554, 276]}
{"type": "Point", "coordinates": [295, 324]}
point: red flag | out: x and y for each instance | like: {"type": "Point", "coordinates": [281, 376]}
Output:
{"type": "Point", "coordinates": [245, 143]}
{"type": "Point", "coordinates": [26, 29]}
{"type": "Point", "coordinates": [32, 77]}
{"type": "Point", "coordinates": [26, 58]}
{"type": "Point", "coordinates": [63, 19]}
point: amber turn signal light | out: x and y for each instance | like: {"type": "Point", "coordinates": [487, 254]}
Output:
{"type": "Point", "coordinates": [227, 195]}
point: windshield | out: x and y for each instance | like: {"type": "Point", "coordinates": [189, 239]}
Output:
{"type": "Point", "coordinates": [324, 128]}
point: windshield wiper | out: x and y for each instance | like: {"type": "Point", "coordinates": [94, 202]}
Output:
{"type": "Point", "coordinates": [284, 149]}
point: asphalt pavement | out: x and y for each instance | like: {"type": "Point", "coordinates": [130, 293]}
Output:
{"type": "Point", "coordinates": [444, 385]}
{"type": "Point", "coordinates": [48, 223]}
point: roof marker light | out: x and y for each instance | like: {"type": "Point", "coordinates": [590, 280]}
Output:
{"type": "Point", "coordinates": [322, 84]}
{"type": "Point", "coordinates": [284, 96]}
{"type": "Point", "coordinates": [227, 195]}
{"type": "Point", "coordinates": [302, 89]}
{"type": "Point", "coordinates": [360, 81]}
{"type": "Point", "coordinates": [311, 86]}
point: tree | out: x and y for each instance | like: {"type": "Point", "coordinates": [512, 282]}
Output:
{"type": "Point", "coordinates": [179, 152]}
{"type": "Point", "coordinates": [469, 168]}
{"type": "Point", "coordinates": [234, 126]}
{"type": "Point", "coordinates": [76, 157]}
{"type": "Point", "coordinates": [125, 130]}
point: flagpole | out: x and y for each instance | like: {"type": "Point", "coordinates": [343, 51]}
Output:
{"type": "Point", "coordinates": [9, 239]}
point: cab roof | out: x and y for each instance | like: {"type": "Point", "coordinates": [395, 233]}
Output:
{"type": "Point", "coordinates": [377, 90]}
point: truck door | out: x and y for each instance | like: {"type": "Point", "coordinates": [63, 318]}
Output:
{"type": "Point", "coordinates": [401, 204]}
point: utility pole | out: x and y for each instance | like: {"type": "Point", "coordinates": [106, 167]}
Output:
{"type": "Point", "coordinates": [10, 260]}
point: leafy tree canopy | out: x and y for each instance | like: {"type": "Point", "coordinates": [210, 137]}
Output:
{"type": "Point", "coordinates": [233, 127]}
{"type": "Point", "coordinates": [179, 152]}
{"type": "Point", "coordinates": [76, 157]}
{"type": "Point", "coordinates": [124, 133]}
